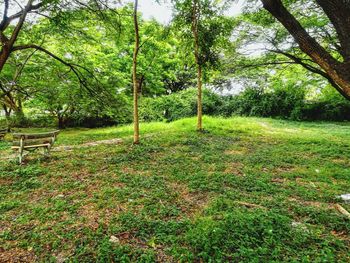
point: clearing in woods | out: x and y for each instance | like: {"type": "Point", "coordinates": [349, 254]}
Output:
{"type": "Point", "coordinates": [242, 191]}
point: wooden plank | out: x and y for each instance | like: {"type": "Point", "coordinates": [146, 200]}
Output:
{"type": "Point", "coordinates": [35, 135]}
{"type": "Point", "coordinates": [33, 141]}
{"type": "Point", "coordinates": [32, 146]}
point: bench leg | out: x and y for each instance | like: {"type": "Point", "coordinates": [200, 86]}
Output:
{"type": "Point", "coordinates": [47, 151]}
{"type": "Point", "coordinates": [20, 156]}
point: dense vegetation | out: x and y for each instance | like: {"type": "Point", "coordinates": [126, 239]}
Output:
{"type": "Point", "coordinates": [88, 82]}
{"type": "Point", "coordinates": [280, 103]}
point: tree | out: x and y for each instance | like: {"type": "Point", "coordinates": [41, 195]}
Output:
{"type": "Point", "coordinates": [333, 65]}
{"type": "Point", "coordinates": [10, 35]}
{"type": "Point", "coordinates": [195, 21]}
{"type": "Point", "coordinates": [163, 67]}
{"type": "Point", "coordinates": [136, 81]}
{"type": "Point", "coordinates": [208, 29]}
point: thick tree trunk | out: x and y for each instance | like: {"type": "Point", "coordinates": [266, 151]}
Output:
{"type": "Point", "coordinates": [7, 112]}
{"type": "Point", "coordinates": [61, 124]}
{"type": "Point", "coordinates": [338, 71]}
{"type": "Point", "coordinates": [338, 12]}
{"type": "Point", "coordinates": [7, 44]}
{"type": "Point", "coordinates": [198, 63]}
{"type": "Point", "coordinates": [134, 77]}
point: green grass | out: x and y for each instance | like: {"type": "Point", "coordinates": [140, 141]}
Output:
{"type": "Point", "coordinates": [181, 195]}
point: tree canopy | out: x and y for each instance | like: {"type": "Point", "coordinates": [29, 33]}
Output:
{"type": "Point", "coordinates": [53, 64]}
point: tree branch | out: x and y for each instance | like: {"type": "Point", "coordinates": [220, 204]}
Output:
{"type": "Point", "coordinates": [313, 69]}
{"type": "Point", "coordinates": [8, 19]}
{"type": "Point", "coordinates": [336, 70]}
{"type": "Point", "coordinates": [73, 67]}
{"type": "Point", "coordinates": [6, 8]}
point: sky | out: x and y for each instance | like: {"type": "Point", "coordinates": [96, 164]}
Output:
{"type": "Point", "coordinates": [151, 9]}
{"type": "Point", "coordinates": [162, 12]}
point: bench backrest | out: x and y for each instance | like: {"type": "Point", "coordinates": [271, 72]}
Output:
{"type": "Point", "coordinates": [28, 139]}
{"type": "Point", "coordinates": [3, 130]}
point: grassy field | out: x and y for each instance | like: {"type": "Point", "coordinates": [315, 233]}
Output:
{"type": "Point", "coordinates": [247, 190]}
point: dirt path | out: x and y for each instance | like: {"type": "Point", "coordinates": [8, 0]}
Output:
{"type": "Point", "coordinates": [84, 145]}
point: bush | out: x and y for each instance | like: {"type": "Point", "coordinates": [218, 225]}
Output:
{"type": "Point", "coordinates": [178, 105]}
{"type": "Point", "coordinates": [284, 103]}
{"type": "Point", "coordinates": [326, 110]}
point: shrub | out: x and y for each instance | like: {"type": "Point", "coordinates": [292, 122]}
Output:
{"type": "Point", "coordinates": [179, 105]}
{"type": "Point", "coordinates": [284, 103]}
{"type": "Point", "coordinates": [326, 110]}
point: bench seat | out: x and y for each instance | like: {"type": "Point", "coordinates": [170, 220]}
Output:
{"type": "Point", "coordinates": [32, 141]}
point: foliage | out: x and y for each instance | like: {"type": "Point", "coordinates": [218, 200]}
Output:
{"type": "Point", "coordinates": [214, 31]}
{"type": "Point", "coordinates": [178, 105]}
{"type": "Point", "coordinates": [282, 102]}
{"type": "Point", "coordinates": [329, 111]}
{"type": "Point", "coordinates": [50, 88]}
{"type": "Point", "coordinates": [305, 26]}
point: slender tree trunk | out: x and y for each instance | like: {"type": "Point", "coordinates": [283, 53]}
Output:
{"type": "Point", "coordinates": [7, 112]}
{"type": "Point", "coordinates": [199, 100]}
{"type": "Point", "coordinates": [8, 117]}
{"type": "Point", "coordinates": [134, 77]}
{"type": "Point", "coordinates": [195, 15]}
{"type": "Point", "coordinates": [18, 110]}
{"type": "Point", "coordinates": [19, 105]}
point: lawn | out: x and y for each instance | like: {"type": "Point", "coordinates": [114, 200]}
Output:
{"type": "Point", "coordinates": [246, 190]}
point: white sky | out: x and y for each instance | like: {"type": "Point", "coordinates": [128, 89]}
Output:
{"type": "Point", "coordinates": [150, 9]}
{"type": "Point", "coordinates": [162, 12]}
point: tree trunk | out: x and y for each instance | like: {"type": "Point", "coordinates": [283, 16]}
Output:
{"type": "Point", "coordinates": [60, 121]}
{"type": "Point", "coordinates": [7, 44]}
{"type": "Point", "coordinates": [199, 100]}
{"type": "Point", "coordinates": [18, 110]}
{"type": "Point", "coordinates": [134, 77]}
{"type": "Point", "coordinates": [195, 15]}
{"type": "Point", "coordinates": [8, 117]}
{"type": "Point", "coordinates": [4, 55]}
{"type": "Point", "coordinates": [7, 112]}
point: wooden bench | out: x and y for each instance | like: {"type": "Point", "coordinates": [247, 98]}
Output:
{"type": "Point", "coordinates": [3, 132]}
{"type": "Point", "coordinates": [32, 141]}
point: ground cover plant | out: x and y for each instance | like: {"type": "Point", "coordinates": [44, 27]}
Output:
{"type": "Point", "coordinates": [246, 189]}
